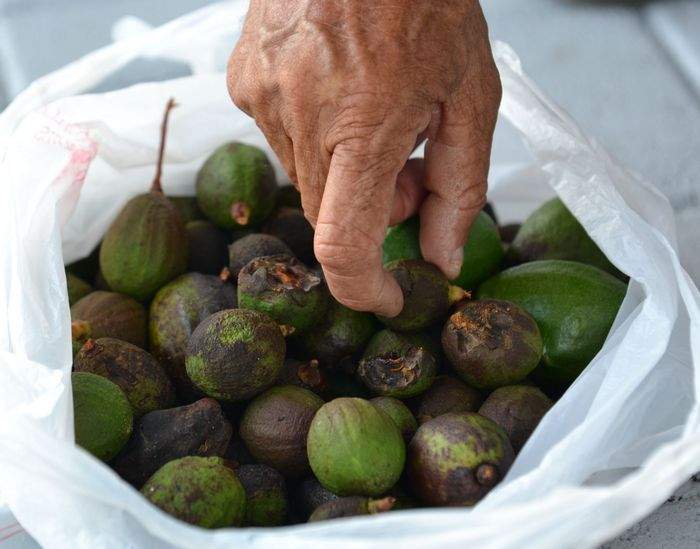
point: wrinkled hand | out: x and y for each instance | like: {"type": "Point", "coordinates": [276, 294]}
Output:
{"type": "Point", "coordinates": [344, 90]}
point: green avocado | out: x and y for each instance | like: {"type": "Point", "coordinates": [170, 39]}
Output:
{"type": "Point", "coordinates": [102, 415]}
{"type": "Point", "coordinates": [145, 247]}
{"type": "Point", "coordinates": [573, 304]}
{"type": "Point", "coordinates": [482, 252]}
{"type": "Point", "coordinates": [236, 186]}
{"type": "Point", "coordinates": [176, 310]}
{"type": "Point", "coordinates": [198, 490]}
{"type": "Point", "coordinates": [355, 448]}
{"type": "Point", "coordinates": [552, 232]}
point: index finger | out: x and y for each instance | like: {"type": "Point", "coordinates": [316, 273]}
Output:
{"type": "Point", "coordinates": [352, 222]}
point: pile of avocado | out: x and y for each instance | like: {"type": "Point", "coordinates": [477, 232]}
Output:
{"type": "Point", "coordinates": [215, 373]}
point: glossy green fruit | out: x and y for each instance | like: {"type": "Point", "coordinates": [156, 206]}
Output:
{"type": "Point", "coordinates": [236, 186]}
{"type": "Point", "coordinates": [393, 365]}
{"type": "Point", "coordinates": [275, 426]}
{"type": "Point", "coordinates": [235, 354]}
{"type": "Point", "coordinates": [518, 409]}
{"type": "Point", "coordinates": [109, 314]}
{"type": "Point", "coordinates": [456, 459]}
{"type": "Point", "coordinates": [399, 413]}
{"type": "Point", "coordinates": [573, 304]}
{"type": "Point", "coordinates": [102, 415]}
{"type": "Point", "coordinates": [198, 490]}
{"type": "Point", "coordinates": [285, 289]}
{"type": "Point", "coordinates": [491, 343]}
{"type": "Point", "coordinates": [77, 288]}
{"type": "Point", "coordinates": [482, 252]}
{"type": "Point", "coordinates": [266, 495]}
{"type": "Point", "coordinates": [427, 295]}
{"type": "Point", "coordinates": [176, 310]}
{"type": "Point", "coordinates": [355, 448]}
{"type": "Point", "coordinates": [552, 232]}
{"type": "Point", "coordinates": [135, 371]}
{"type": "Point", "coordinates": [342, 334]}
{"type": "Point", "coordinates": [351, 506]}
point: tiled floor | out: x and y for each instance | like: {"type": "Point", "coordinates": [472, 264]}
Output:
{"type": "Point", "coordinates": [628, 71]}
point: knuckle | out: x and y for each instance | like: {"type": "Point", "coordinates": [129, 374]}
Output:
{"type": "Point", "coordinates": [239, 92]}
{"type": "Point", "coordinates": [494, 87]}
{"type": "Point", "coordinates": [345, 253]}
{"type": "Point", "coordinates": [367, 160]}
{"type": "Point", "coordinates": [338, 258]}
{"type": "Point", "coordinates": [252, 94]}
{"type": "Point", "coordinates": [471, 198]}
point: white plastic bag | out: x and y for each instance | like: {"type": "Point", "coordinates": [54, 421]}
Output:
{"type": "Point", "coordinates": [621, 440]}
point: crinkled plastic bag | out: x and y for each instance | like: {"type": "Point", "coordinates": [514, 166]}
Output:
{"type": "Point", "coordinates": [618, 443]}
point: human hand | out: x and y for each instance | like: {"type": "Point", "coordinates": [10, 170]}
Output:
{"type": "Point", "coordinates": [344, 91]}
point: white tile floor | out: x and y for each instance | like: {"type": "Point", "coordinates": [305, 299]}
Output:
{"type": "Point", "coordinates": [628, 71]}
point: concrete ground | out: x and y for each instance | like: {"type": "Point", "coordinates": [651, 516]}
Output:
{"type": "Point", "coordinates": [628, 71]}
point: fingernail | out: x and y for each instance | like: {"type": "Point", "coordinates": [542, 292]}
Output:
{"type": "Point", "coordinates": [456, 260]}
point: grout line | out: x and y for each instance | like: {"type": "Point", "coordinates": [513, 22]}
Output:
{"type": "Point", "coordinates": [675, 45]}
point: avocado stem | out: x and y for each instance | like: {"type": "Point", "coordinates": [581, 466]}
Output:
{"type": "Point", "coordinates": [380, 505]}
{"type": "Point", "coordinates": [79, 329]}
{"type": "Point", "coordinates": [156, 187]}
{"type": "Point", "coordinates": [310, 375]}
{"type": "Point", "coordinates": [287, 330]}
{"type": "Point", "coordinates": [487, 475]}
{"type": "Point", "coordinates": [457, 294]}
{"type": "Point", "coordinates": [225, 274]}
{"type": "Point", "coordinates": [240, 213]}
